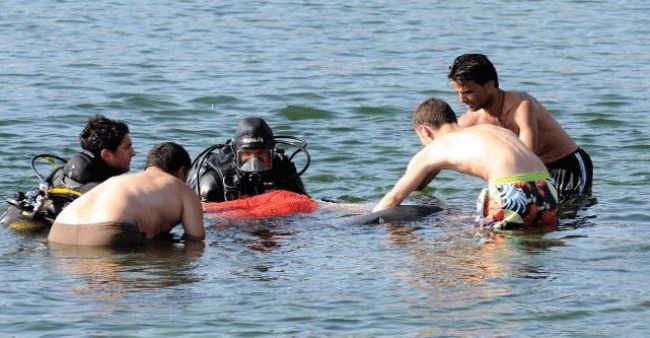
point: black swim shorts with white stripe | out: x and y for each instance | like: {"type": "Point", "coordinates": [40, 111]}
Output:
{"type": "Point", "coordinates": [572, 174]}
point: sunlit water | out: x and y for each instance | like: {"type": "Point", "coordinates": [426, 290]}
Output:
{"type": "Point", "coordinates": [345, 76]}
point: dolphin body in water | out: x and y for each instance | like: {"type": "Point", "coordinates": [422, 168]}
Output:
{"type": "Point", "coordinates": [399, 213]}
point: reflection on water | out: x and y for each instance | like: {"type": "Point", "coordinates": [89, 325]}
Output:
{"type": "Point", "coordinates": [250, 242]}
{"type": "Point", "coordinates": [344, 75]}
{"type": "Point", "coordinates": [110, 274]}
{"type": "Point", "coordinates": [575, 213]}
{"type": "Point", "coordinates": [458, 265]}
{"type": "Point", "coordinates": [257, 234]}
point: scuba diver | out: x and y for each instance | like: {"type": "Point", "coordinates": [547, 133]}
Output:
{"type": "Point", "coordinates": [247, 165]}
{"type": "Point", "coordinates": [106, 151]}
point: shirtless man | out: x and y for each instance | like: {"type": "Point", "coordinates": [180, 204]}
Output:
{"type": "Point", "coordinates": [520, 194]}
{"type": "Point", "coordinates": [475, 80]}
{"type": "Point", "coordinates": [131, 208]}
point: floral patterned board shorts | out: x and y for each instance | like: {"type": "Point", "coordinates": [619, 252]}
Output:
{"type": "Point", "coordinates": [527, 201]}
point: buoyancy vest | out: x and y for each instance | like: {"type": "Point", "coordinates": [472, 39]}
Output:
{"type": "Point", "coordinates": [82, 172]}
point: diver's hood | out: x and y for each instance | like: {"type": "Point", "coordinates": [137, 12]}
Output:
{"type": "Point", "coordinates": [253, 132]}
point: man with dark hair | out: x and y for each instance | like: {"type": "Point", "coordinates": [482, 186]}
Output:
{"type": "Point", "coordinates": [106, 151]}
{"type": "Point", "coordinates": [475, 80]}
{"type": "Point", "coordinates": [132, 208]}
{"type": "Point", "coordinates": [520, 193]}
{"type": "Point", "coordinates": [249, 165]}
{"type": "Point", "coordinates": [169, 157]}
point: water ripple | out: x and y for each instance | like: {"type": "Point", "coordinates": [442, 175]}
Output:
{"type": "Point", "coordinates": [346, 76]}
{"type": "Point", "coordinates": [298, 113]}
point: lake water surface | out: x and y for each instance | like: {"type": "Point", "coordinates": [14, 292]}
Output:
{"type": "Point", "coordinates": [345, 75]}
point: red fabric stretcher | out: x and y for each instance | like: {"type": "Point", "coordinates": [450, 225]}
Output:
{"type": "Point", "coordinates": [271, 204]}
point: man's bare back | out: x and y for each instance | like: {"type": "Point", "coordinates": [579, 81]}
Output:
{"type": "Point", "coordinates": [153, 200]}
{"type": "Point", "coordinates": [485, 151]}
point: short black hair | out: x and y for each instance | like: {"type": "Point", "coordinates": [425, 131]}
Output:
{"type": "Point", "coordinates": [102, 133]}
{"type": "Point", "coordinates": [473, 67]}
{"type": "Point", "coordinates": [168, 156]}
{"type": "Point", "coordinates": [433, 113]}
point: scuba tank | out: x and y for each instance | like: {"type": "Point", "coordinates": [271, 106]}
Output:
{"type": "Point", "coordinates": [37, 208]}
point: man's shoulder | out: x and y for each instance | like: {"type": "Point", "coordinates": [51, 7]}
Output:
{"type": "Point", "coordinates": [517, 93]}
{"type": "Point", "coordinates": [182, 190]}
{"type": "Point", "coordinates": [471, 136]}
{"type": "Point", "coordinates": [153, 180]}
{"type": "Point", "coordinates": [124, 179]}
{"type": "Point", "coordinates": [442, 143]}
{"type": "Point", "coordinates": [468, 118]}
{"type": "Point", "coordinates": [524, 105]}
{"type": "Point", "coordinates": [483, 128]}
{"type": "Point", "coordinates": [518, 97]}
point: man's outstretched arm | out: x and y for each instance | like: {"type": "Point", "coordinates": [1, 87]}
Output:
{"type": "Point", "coordinates": [416, 173]}
{"type": "Point", "coordinates": [193, 216]}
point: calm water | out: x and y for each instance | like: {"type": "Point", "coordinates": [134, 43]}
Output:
{"type": "Point", "coordinates": [345, 75]}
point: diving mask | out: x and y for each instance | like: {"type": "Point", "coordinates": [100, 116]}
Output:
{"type": "Point", "coordinates": [254, 160]}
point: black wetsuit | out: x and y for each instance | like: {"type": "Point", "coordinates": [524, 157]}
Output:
{"type": "Point", "coordinates": [220, 181]}
{"type": "Point", "coordinates": [82, 172]}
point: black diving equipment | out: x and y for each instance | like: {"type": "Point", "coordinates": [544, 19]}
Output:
{"type": "Point", "coordinates": [41, 204]}
{"type": "Point", "coordinates": [248, 165]}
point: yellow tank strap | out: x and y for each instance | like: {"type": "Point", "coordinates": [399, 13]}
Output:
{"type": "Point", "coordinates": [63, 191]}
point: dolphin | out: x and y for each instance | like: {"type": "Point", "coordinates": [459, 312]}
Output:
{"type": "Point", "coordinates": [399, 213]}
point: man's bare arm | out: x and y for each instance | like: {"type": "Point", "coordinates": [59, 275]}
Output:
{"type": "Point", "coordinates": [417, 171]}
{"type": "Point", "coordinates": [527, 123]}
{"type": "Point", "coordinates": [426, 181]}
{"type": "Point", "coordinates": [193, 216]}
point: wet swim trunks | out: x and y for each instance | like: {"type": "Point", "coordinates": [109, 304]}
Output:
{"type": "Point", "coordinates": [527, 201]}
{"type": "Point", "coordinates": [572, 174]}
{"type": "Point", "coordinates": [97, 234]}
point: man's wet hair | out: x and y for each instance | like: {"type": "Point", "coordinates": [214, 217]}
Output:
{"type": "Point", "coordinates": [433, 113]}
{"type": "Point", "coordinates": [168, 156]}
{"type": "Point", "coordinates": [473, 67]}
{"type": "Point", "coordinates": [102, 133]}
